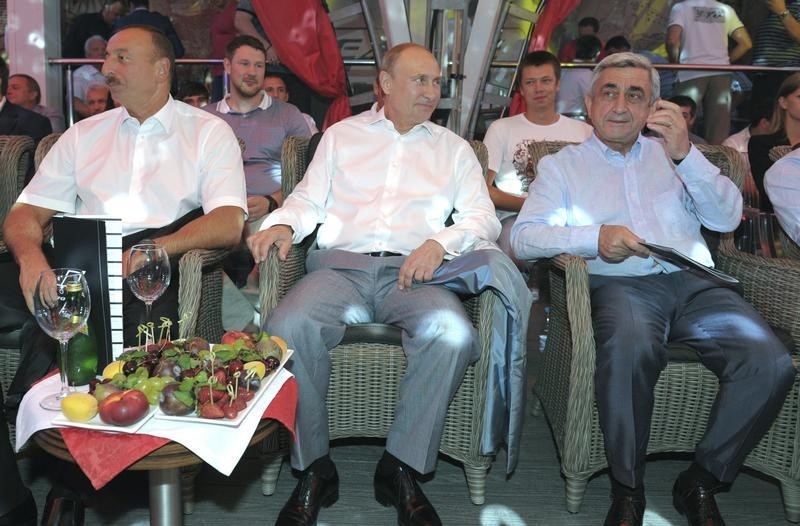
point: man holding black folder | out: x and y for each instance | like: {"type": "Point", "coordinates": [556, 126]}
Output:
{"type": "Point", "coordinates": [173, 173]}
{"type": "Point", "coordinates": [600, 200]}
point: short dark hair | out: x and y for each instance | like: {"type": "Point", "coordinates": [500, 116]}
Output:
{"type": "Point", "coordinates": [141, 3]}
{"type": "Point", "coordinates": [540, 58]}
{"type": "Point", "coordinates": [32, 85]}
{"type": "Point", "coordinates": [162, 47]}
{"type": "Point", "coordinates": [244, 40]}
{"type": "Point", "coordinates": [590, 21]}
{"type": "Point", "coordinates": [761, 108]}
{"type": "Point", "coordinates": [618, 42]}
{"type": "Point", "coordinates": [193, 89]}
{"type": "Point", "coordinates": [685, 102]}
{"type": "Point", "coordinates": [3, 77]}
{"type": "Point", "coordinates": [587, 47]}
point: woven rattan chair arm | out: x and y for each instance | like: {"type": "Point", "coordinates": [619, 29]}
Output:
{"type": "Point", "coordinates": [190, 290]}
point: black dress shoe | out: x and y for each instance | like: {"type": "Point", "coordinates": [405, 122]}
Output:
{"type": "Point", "coordinates": [400, 489]}
{"type": "Point", "coordinates": [693, 498]}
{"type": "Point", "coordinates": [62, 508]}
{"type": "Point", "coordinates": [626, 510]}
{"type": "Point", "coordinates": [312, 492]}
{"type": "Point", "coordinates": [23, 515]}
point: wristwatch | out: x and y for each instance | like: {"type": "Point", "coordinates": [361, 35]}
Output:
{"type": "Point", "coordinates": [783, 14]}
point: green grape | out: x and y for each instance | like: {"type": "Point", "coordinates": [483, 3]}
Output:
{"type": "Point", "coordinates": [142, 372]}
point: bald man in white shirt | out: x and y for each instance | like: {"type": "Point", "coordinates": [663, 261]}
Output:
{"type": "Point", "coordinates": [381, 186]}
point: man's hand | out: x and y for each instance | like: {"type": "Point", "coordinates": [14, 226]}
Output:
{"type": "Point", "coordinates": [616, 244]}
{"type": "Point", "coordinates": [420, 264]}
{"type": "Point", "coordinates": [668, 122]}
{"type": "Point", "coordinates": [260, 242]}
{"type": "Point", "coordinates": [257, 207]}
{"type": "Point", "coordinates": [28, 277]}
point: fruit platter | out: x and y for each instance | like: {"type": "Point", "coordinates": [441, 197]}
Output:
{"type": "Point", "coordinates": [189, 380]}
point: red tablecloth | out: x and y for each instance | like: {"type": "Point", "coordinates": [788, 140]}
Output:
{"type": "Point", "coordinates": [102, 456]}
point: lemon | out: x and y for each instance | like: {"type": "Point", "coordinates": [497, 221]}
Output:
{"type": "Point", "coordinates": [261, 370]}
{"type": "Point", "coordinates": [112, 369]}
{"type": "Point", "coordinates": [79, 407]}
{"type": "Point", "coordinates": [280, 343]}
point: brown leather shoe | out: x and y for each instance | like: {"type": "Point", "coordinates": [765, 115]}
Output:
{"type": "Point", "coordinates": [695, 500]}
{"type": "Point", "coordinates": [313, 491]}
{"type": "Point", "coordinates": [626, 510]}
{"type": "Point", "coordinates": [400, 489]}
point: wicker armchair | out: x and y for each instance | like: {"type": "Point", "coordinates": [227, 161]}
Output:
{"type": "Point", "coordinates": [366, 369]}
{"type": "Point", "coordinates": [686, 389]}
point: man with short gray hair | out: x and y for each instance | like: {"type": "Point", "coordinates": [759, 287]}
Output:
{"type": "Point", "coordinates": [601, 200]}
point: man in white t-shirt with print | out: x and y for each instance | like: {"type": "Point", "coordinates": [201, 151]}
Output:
{"type": "Point", "coordinates": [510, 170]}
{"type": "Point", "coordinates": [698, 33]}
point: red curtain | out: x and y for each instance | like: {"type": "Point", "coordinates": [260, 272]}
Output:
{"type": "Point", "coordinates": [554, 13]}
{"type": "Point", "coordinates": [303, 37]}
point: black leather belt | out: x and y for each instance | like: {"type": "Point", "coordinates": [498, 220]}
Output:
{"type": "Point", "coordinates": [382, 254]}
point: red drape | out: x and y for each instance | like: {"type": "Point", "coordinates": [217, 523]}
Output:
{"type": "Point", "coordinates": [554, 13]}
{"type": "Point", "coordinates": [303, 37]}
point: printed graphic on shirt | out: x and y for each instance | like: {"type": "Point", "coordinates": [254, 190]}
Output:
{"type": "Point", "coordinates": [523, 164]}
{"type": "Point", "coordinates": [709, 15]}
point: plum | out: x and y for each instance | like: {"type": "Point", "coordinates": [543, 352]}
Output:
{"type": "Point", "coordinates": [173, 401]}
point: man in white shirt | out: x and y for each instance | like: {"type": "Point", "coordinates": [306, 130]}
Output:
{"type": "Point", "coordinates": [381, 187]}
{"type": "Point", "coordinates": [698, 33]}
{"type": "Point", "coordinates": [507, 140]}
{"type": "Point", "coordinates": [151, 162]}
{"type": "Point", "coordinates": [600, 200]}
{"type": "Point", "coordinates": [782, 183]}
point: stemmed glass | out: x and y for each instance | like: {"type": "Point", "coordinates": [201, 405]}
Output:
{"type": "Point", "coordinates": [61, 305]}
{"type": "Point", "coordinates": [148, 274]}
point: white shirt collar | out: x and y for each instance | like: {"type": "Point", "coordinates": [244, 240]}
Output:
{"type": "Point", "coordinates": [165, 116]}
{"type": "Point", "coordinates": [223, 107]}
{"type": "Point", "coordinates": [380, 116]}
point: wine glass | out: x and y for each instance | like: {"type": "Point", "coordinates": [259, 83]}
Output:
{"type": "Point", "coordinates": [61, 305]}
{"type": "Point", "coordinates": [148, 274]}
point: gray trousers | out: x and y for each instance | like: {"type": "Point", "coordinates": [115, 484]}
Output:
{"type": "Point", "coordinates": [634, 318]}
{"type": "Point", "coordinates": [344, 288]}
{"type": "Point", "coordinates": [713, 95]}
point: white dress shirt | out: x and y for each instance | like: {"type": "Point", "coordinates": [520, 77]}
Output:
{"type": "Point", "coordinates": [782, 182]}
{"type": "Point", "coordinates": [147, 174]}
{"type": "Point", "coordinates": [374, 189]}
{"type": "Point", "coordinates": [585, 186]}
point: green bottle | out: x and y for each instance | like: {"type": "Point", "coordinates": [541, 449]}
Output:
{"type": "Point", "coordinates": [82, 357]}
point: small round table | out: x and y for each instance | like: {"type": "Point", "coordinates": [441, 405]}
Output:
{"type": "Point", "coordinates": [163, 466]}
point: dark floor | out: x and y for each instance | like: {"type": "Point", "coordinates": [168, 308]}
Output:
{"type": "Point", "coordinates": [532, 495]}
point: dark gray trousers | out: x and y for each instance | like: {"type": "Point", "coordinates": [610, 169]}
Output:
{"type": "Point", "coordinates": [344, 288]}
{"type": "Point", "coordinates": [635, 317]}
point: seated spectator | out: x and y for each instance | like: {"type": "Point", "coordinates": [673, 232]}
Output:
{"type": "Point", "coordinates": [784, 129]}
{"type": "Point", "coordinates": [586, 26]}
{"type": "Point", "coordinates": [760, 122]}
{"type": "Point", "coordinates": [86, 25]}
{"type": "Point", "coordinates": [370, 266]}
{"type": "Point", "coordinates": [88, 74]}
{"type": "Point", "coordinates": [600, 200]}
{"type": "Point", "coordinates": [141, 15]}
{"type": "Point", "coordinates": [16, 120]}
{"type": "Point", "coordinates": [510, 172]}
{"type": "Point", "coordinates": [782, 184]}
{"type": "Point", "coordinates": [194, 94]}
{"type": "Point", "coordinates": [698, 33]}
{"type": "Point", "coordinates": [689, 112]}
{"type": "Point", "coordinates": [276, 88]}
{"type": "Point", "coordinates": [574, 84]}
{"type": "Point", "coordinates": [262, 122]}
{"type": "Point", "coordinates": [23, 90]}
{"type": "Point", "coordinates": [98, 99]}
